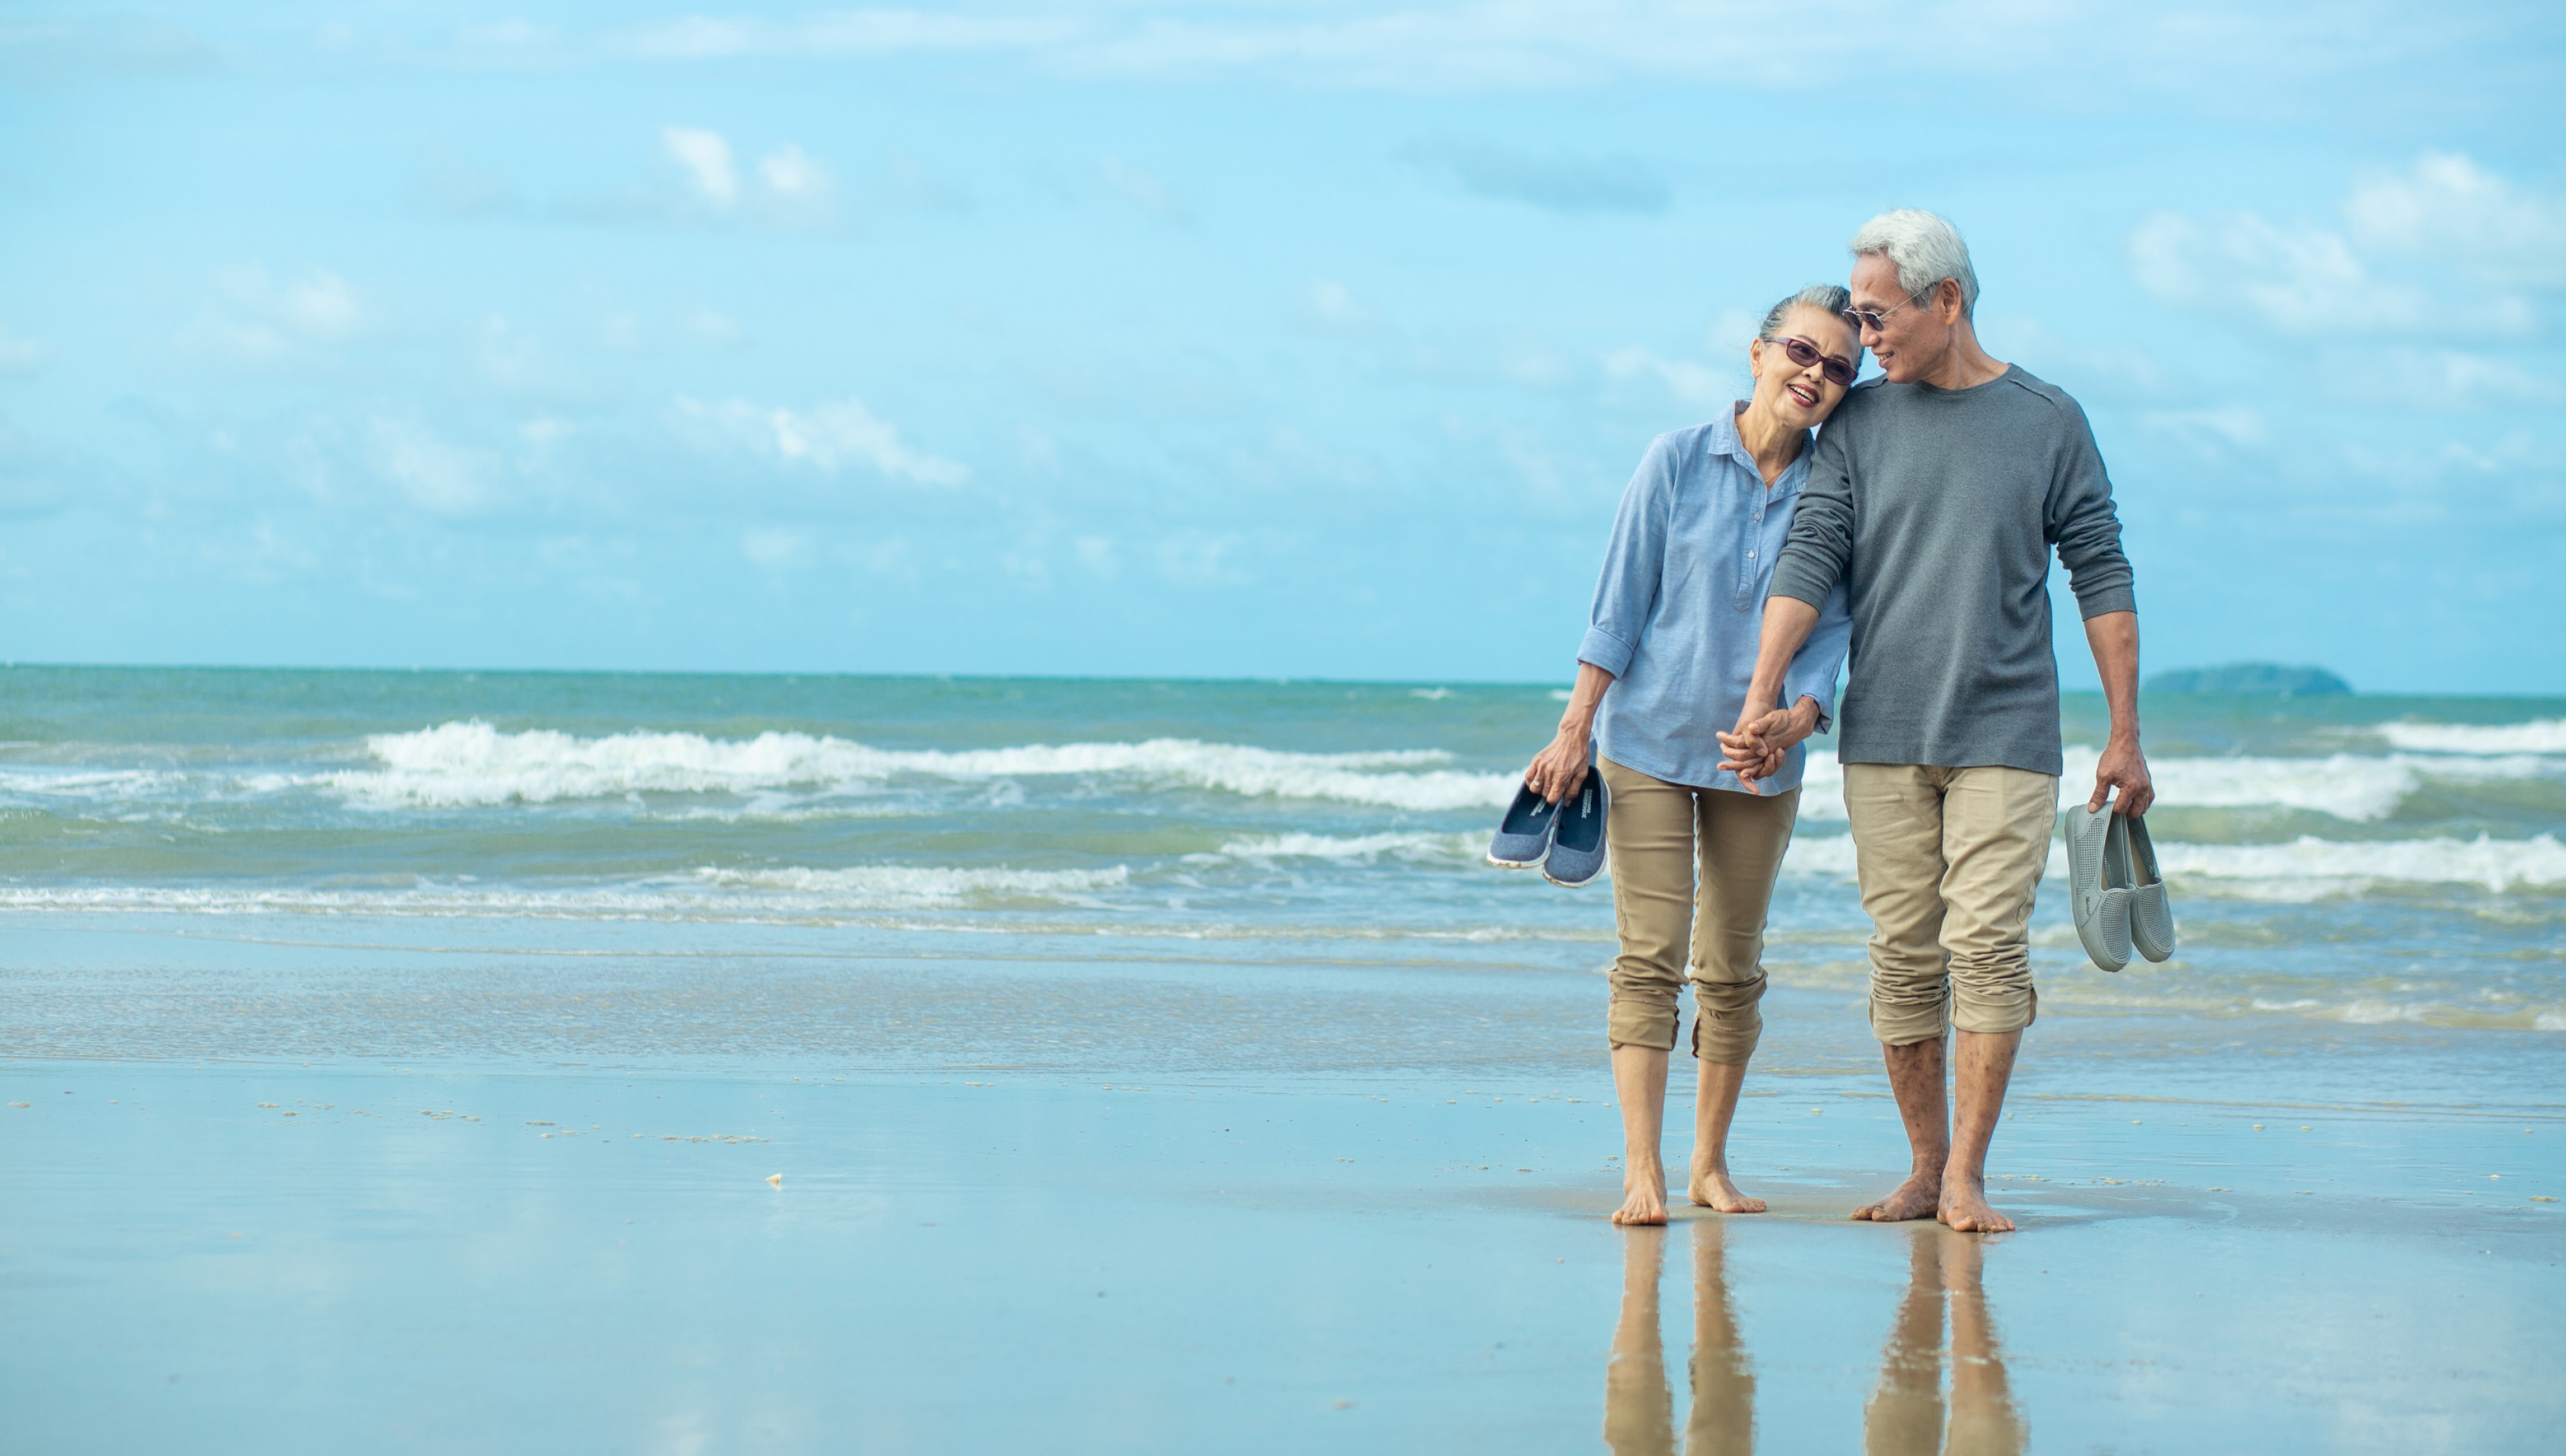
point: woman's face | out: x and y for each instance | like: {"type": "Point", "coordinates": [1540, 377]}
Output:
{"type": "Point", "coordinates": [1801, 396]}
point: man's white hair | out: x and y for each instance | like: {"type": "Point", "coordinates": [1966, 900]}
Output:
{"type": "Point", "coordinates": [1925, 248]}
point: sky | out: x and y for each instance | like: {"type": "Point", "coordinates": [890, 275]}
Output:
{"type": "Point", "coordinates": [1298, 338]}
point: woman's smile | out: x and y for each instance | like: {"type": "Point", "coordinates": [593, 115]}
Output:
{"type": "Point", "coordinates": [1806, 396]}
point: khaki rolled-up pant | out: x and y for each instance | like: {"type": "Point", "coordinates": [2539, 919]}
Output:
{"type": "Point", "coordinates": [1950, 860]}
{"type": "Point", "coordinates": [1657, 831]}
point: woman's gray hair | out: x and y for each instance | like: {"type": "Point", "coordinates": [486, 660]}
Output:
{"type": "Point", "coordinates": [1827, 297]}
{"type": "Point", "coordinates": [1926, 249]}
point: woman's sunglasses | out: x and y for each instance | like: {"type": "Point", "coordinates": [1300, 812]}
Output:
{"type": "Point", "coordinates": [1804, 354]}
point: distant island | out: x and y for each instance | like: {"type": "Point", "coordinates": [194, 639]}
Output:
{"type": "Point", "coordinates": [2252, 677]}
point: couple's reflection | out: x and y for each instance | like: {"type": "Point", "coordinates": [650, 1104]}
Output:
{"type": "Point", "coordinates": [1905, 1416]}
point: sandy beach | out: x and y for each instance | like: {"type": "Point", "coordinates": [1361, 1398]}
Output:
{"type": "Point", "coordinates": [1095, 1203]}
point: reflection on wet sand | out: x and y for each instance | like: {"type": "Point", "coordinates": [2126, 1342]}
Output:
{"type": "Point", "coordinates": [1907, 1415]}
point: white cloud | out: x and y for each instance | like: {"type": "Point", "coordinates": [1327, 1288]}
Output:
{"type": "Point", "coordinates": [706, 160]}
{"type": "Point", "coordinates": [790, 172]}
{"type": "Point", "coordinates": [322, 306]}
{"type": "Point", "coordinates": [1334, 306]}
{"type": "Point", "coordinates": [1139, 189]}
{"type": "Point", "coordinates": [1686, 380]}
{"type": "Point", "coordinates": [2444, 212]}
{"type": "Point", "coordinates": [826, 437]}
{"type": "Point", "coordinates": [846, 33]}
{"type": "Point", "coordinates": [2233, 426]}
{"type": "Point", "coordinates": [2448, 209]}
{"type": "Point", "coordinates": [2304, 279]}
{"type": "Point", "coordinates": [1196, 559]}
{"type": "Point", "coordinates": [434, 474]}
{"type": "Point", "coordinates": [19, 354]}
{"type": "Point", "coordinates": [255, 320]}
{"type": "Point", "coordinates": [2437, 378]}
{"type": "Point", "coordinates": [1096, 553]}
{"type": "Point", "coordinates": [774, 549]}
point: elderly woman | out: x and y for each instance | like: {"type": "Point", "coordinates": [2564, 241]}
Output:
{"type": "Point", "coordinates": [1664, 667]}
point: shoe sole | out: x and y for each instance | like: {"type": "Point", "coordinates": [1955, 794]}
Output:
{"type": "Point", "coordinates": [2100, 909]}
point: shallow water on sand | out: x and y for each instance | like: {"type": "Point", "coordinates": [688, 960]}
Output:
{"type": "Point", "coordinates": [1147, 1066]}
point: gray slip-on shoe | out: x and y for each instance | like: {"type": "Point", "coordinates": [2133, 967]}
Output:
{"type": "Point", "coordinates": [1523, 836]}
{"type": "Point", "coordinates": [1577, 851]}
{"type": "Point", "coordinates": [2150, 911]}
{"type": "Point", "coordinates": [2101, 904]}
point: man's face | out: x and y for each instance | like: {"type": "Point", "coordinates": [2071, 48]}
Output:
{"type": "Point", "coordinates": [1913, 337]}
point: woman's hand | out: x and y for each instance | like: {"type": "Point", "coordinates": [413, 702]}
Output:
{"type": "Point", "coordinates": [1754, 750]}
{"type": "Point", "coordinates": [1560, 770]}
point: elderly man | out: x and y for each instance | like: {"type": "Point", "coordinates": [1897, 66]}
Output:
{"type": "Point", "coordinates": [1936, 494]}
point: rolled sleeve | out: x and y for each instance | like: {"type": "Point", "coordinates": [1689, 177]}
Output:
{"type": "Point", "coordinates": [2086, 526]}
{"type": "Point", "coordinates": [1820, 660]}
{"type": "Point", "coordinates": [1605, 651]}
{"type": "Point", "coordinates": [1626, 592]}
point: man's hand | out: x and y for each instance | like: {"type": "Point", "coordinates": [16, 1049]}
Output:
{"type": "Point", "coordinates": [2125, 768]}
{"type": "Point", "coordinates": [2114, 636]}
{"type": "Point", "coordinates": [1754, 750]}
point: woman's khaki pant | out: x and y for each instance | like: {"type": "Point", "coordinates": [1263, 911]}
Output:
{"type": "Point", "coordinates": [1657, 830]}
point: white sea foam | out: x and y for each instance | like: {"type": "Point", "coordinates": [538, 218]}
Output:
{"type": "Point", "coordinates": [709, 891]}
{"type": "Point", "coordinates": [2349, 787]}
{"type": "Point", "coordinates": [919, 887]}
{"type": "Point", "coordinates": [1365, 848]}
{"type": "Point", "coordinates": [2352, 787]}
{"type": "Point", "coordinates": [2304, 869]}
{"type": "Point", "coordinates": [2309, 867]}
{"type": "Point", "coordinates": [1830, 856]}
{"type": "Point", "coordinates": [2543, 735]}
{"type": "Point", "coordinates": [466, 763]}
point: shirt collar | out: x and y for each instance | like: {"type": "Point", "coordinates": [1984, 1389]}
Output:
{"type": "Point", "coordinates": [1725, 440]}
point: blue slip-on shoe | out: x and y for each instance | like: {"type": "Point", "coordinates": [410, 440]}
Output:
{"type": "Point", "coordinates": [2099, 900]}
{"type": "Point", "coordinates": [1577, 847]}
{"type": "Point", "coordinates": [1523, 836]}
{"type": "Point", "coordinates": [2150, 911]}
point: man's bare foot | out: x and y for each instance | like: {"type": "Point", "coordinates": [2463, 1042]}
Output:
{"type": "Point", "coordinates": [1917, 1197]}
{"type": "Point", "coordinates": [1644, 1196]}
{"type": "Point", "coordinates": [1964, 1209]}
{"type": "Point", "coordinates": [1711, 1188]}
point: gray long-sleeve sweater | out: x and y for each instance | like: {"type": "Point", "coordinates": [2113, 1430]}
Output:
{"type": "Point", "coordinates": [1938, 509]}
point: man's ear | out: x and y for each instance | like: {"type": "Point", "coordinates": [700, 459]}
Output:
{"type": "Point", "coordinates": [1947, 299]}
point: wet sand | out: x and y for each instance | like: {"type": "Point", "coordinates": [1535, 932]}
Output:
{"type": "Point", "coordinates": [527, 1217]}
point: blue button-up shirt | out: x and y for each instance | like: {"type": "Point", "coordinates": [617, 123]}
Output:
{"type": "Point", "coordinates": [1681, 604]}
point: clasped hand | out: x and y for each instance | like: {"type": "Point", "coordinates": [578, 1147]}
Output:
{"type": "Point", "coordinates": [1754, 750]}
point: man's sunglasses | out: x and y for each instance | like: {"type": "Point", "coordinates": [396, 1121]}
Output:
{"type": "Point", "coordinates": [1875, 320]}
{"type": "Point", "coordinates": [1804, 354]}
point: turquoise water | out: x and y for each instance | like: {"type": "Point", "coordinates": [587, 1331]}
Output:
{"type": "Point", "coordinates": [405, 1055]}
{"type": "Point", "coordinates": [2356, 861]}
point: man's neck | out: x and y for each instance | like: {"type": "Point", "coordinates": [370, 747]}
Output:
{"type": "Point", "coordinates": [1964, 365]}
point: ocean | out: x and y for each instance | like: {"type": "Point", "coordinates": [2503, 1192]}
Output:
{"type": "Point", "coordinates": [2347, 861]}
{"type": "Point", "coordinates": [582, 1061]}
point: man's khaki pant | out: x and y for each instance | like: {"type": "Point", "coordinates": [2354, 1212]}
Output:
{"type": "Point", "coordinates": [1950, 860]}
{"type": "Point", "coordinates": [1657, 832]}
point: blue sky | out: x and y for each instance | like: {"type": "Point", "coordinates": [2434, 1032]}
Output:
{"type": "Point", "coordinates": [1295, 339]}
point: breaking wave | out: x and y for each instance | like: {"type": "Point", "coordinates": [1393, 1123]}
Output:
{"type": "Point", "coordinates": [457, 765]}
{"type": "Point", "coordinates": [2542, 735]}
{"type": "Point", "coordinates": [2303, 868]}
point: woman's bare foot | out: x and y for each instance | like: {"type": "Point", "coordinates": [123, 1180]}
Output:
{"type": "Point", "coordinates": [1711, 1189]}
{"type": "Point", "coordinates": [1917, 1197]}
{"type": "Point", "coordinates": [1644, 1196]}
{"type": "Point", "coordinates": [1964, 1208]}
